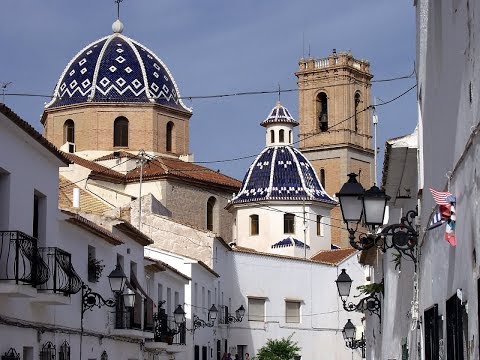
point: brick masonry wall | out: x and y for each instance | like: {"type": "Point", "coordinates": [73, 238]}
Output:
{"type": "Point", "coordinates": [94, 127]}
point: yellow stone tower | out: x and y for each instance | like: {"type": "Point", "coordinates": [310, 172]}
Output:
{"type": "Point", "coordinates": [335, 130]}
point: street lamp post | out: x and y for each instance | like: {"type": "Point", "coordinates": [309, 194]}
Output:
{"type": "Point", "coordinates": [358, 204]}
{"type": "Point", "coordinates": [371, 302]}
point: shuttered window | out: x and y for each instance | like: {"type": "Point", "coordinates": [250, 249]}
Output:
{"type": "Point", "coordinates": [292, 311]}
{"type": "Point", "coordinates": [256, 309]}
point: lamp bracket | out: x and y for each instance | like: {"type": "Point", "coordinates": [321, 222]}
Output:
{"type": "Point", "coordinates": [233, 319]}
{"type": "Point", "coordinates": [371, 303]}
{"type": "Point", "coordinates": [402, 236]}
{"type": "Point", "coordinates": [91, 299]}
{"type": "Point", "coordinates": [198, 323]}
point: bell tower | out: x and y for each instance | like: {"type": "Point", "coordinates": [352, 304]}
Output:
{"type": "Point", "coordinates": [335, 130]}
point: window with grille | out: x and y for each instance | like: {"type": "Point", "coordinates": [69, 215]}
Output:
{"type": "Point", "coordinates": [64, 353]}
{"type": "Point", "coordinates": [254, 225]}
{"type": "Point", "coordinates": [120, 131]}
{"type": "Point", "coordinates": [69, 131]}
{"type": "Point", "coordinates": [11, 354]}
{"type": "Point", "coordinates": [256, 309]}
{"type": "Point", "coordinates": [48, 351]}
{"type": "Point", "coordinates": [292, 311]}
{"type": "Point", "coordinates": [289, 223]}
{"type": "Point", "coordinates": [281, 136]}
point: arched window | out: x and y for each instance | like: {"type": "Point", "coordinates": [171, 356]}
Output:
{"type": "Point", "coordinates": [169, 139]}
{"type": "Point", "coordinates": [254, 225]}
{"type": "Point", "coordinates": [120, 131]}
{"type": "Point", "coordinates": [281, 136]}
{"type": "Point", "coordinates": [322, 178]}
{"type": "Point", "coordinates": [69, 131]}
{"type": "Point", "coordinates": [322, 111]}
{"type": "Point", "coordinates": [288, 223]}
{"type": "Point", "coordinates": [210, 212]}
{"type": "Point", "coordinates": [290, 136]}
{"type": "Point", "coordinates": [357, 103]}
{"type": "Point", "coordinates": [272, 136]}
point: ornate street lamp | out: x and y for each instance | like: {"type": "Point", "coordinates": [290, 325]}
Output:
{"type": "Point", "coordinates": [349, 332]}
{"type": "Point", "coordinates": [117, 280]}
{"type": "Point", "coordinates": [239, 314]}
{"type": "Point", "coordinates": [179, 315]}
{"type": "Point", "coordinates": [197, 322]}
{"type": "Point", "coordinates": [369, 303]}
{"type": "Point", "coordinates": [369, 206]}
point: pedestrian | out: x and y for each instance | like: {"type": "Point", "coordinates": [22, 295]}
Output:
{"type": "Point", "coordinates": [224, 356]}
{"type": "Point", "coordinates": [236, 356]}
{"type": "Point", "coordinates": [247, 356]}
{"type": "Point", "coordinates": [229, 356]}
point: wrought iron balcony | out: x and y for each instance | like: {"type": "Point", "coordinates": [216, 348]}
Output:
{"type": "Point", "coordinates": [20, 261]}
{"type": "Point", "coordinates": [62, 276]}
{"type": "Point", "coordinates": [129, 318]}
{"type": "Point", "coordinates": [167, 331]}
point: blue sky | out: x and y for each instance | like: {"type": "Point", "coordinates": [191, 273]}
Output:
{"type": "Point", "coordinates": [215, 47]}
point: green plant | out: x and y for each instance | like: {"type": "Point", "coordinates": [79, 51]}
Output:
{"type": "Point", "coordinates": [283, 349]}
{"type": "Point", "coordinates": [397, 260]}
{"type": "Point", "coordinates": [95, 269]}
{"type": "Point", "coordinates": [370, 289]}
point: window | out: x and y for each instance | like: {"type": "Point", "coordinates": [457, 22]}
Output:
{"type": "Point", "coordinates": [322, 111]}
{"type": "Point", "coordinates": [4, 198]}
{"type": "Point", "coordinates": [120, 131]}
{"type": "Point", "coordinates": [176, 299]}
{"type": "Point", "coordinates": [39, 217]}
{"type": "Point", "coordinates": [319, 225]}
{"type": "Point", "coordinates": [281, 136]}
{"type": "Point", "coordinates": [69, 131]}
{"type": "Point", "coordinates": [203, 300]}
{"type": "Point", "coordinates": [196, 352]}
{"type": "Point", "coordinates": [210, 213]}
{"type": "Point", "coordinates": [254, 229]}
{"type": "Point", "coordinates": [322, 178]}
{"type": "Point", "coordinates": [169, 301]}
{"type": "Point", "coordinates": [209, 299]}
{"type": "Point", "coordinates": [169, 140]}
{"type": "Point", "coordinates": [160, 292]}
{"type": "Point", "coordinates": [272, 136]}
{"type": "Point", "coordinates": [204, 353]}
{"type": "Point", "coordinates": [431, 333]}
{"type": "Point", "coordinates": [120, 260]}
{"type": "Point", "coordinates": [195, 294]}
{"type": "Point", "coordinates": [92, 265]}
{"type": "Point", "coordinates": [454, 320]}
{"type": "Point", "coordinates": [290, 137]}
{"type": "Point", "coordinates": [256, 309]}
{"type": "Point", "coordinates": [357, 103]}
{"type": "Point", "coordinates": [292, 311]}
{"type": "Point", "coordinates": [289, 224]}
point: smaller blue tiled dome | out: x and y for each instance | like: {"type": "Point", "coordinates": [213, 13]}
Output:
{"type": "Point", "coordinates": [281, 173]}
{"type": "Point", "coordinates": [279, 115]}
{"type": "Point", "coordinates": [116, 69]}
{"type": "Point", "coordinates": [289, 242]}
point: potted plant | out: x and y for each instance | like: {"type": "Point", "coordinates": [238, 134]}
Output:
{"type": "Point", "coordinates": [95, 269]}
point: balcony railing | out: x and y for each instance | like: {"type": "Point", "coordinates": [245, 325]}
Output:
{"type": "Point", "coordinates": [20, 260]}
{"type": "Point", "coordinates": [62, 277]}
{"type": "Point", "coordinates": [163, 329]}
{"type": "Point", "coordinates": [129, 318]}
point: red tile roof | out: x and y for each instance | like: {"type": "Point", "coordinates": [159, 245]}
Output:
{"type": "Point", "coordinates": [134, 233]}
{"type": "Point", "coordinates": [26, 127]}
{"type": "Point", "coordinates": [333, 257]}
{"type": "Point", "coordinates": [160, 168]}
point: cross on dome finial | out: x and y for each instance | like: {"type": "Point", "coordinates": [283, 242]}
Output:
{"type": "Point", "coordinates": [118, 8]}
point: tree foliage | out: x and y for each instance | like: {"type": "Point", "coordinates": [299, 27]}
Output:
{"type": "Point", "coordinates": [283, 349]}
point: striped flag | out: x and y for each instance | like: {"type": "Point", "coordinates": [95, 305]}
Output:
{"type": "Point", "coordinates": [440, 197]}
{"type": "Point", "coordinates": [436, 221]}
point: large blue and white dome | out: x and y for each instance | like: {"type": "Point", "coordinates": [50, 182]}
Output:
{"type": "Point", "coordinates": [280, 172]}
{"type": "Point", "coordinates": [116, 69]}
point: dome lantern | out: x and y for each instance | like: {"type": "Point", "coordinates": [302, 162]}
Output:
{"type": "Point", "coordinates": [279, 126]}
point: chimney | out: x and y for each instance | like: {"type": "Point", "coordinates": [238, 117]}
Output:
{"type": "Point", "coordinates": [76, 198]}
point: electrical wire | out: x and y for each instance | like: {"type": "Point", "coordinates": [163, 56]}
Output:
{"type": "Point", "coordinates": [244, 93]}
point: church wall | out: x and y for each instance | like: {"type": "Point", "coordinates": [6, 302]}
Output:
{"type": "Point", "coordinates": [321, 312]}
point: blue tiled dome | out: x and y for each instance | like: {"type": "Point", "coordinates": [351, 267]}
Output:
{"type": "Point", "coordinates": [279, 114]}
{"type": "Point", "coordinates": [281, 173]}
{"type": "Point", "coordinates": [289, 242]}
{"type": "Point", "coordinates": [116, 69]}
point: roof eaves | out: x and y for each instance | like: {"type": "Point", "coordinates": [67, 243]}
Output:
{"type": "Point", "coordinates": [134, 233]}
{"type": "Point", "coordinates": [27, 128]}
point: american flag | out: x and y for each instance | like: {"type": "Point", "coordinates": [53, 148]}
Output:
{"type": "Point", "coordinates": [442, 197]}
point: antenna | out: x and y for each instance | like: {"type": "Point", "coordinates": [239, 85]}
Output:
{"type": "Point", "coordinates": [309, 51]}
{"type": "Point", "coordinates": [118, 8]}
{"type": "Point", "coordinates": [303, 45]}
{"type": "Point", "coordinates": [375, 122]}
{"type": "Point", "coordinates": [4, 85]}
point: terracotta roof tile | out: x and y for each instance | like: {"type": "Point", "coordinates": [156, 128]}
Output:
{"type": "Point", "coordinates": [22, 124]}
{"type": "Point", "coordinates": [98, 170]}
{"type": "Point", "coordinates": [116, 155]}
{"type": "Point", "coordinates": [88, 203]}
{"type": "Point", "coordinates": [93, 228]}
{"type": "Point", "coordinates": [333, 257]}
{"type": "Point", "coordinates": [164, 167]}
